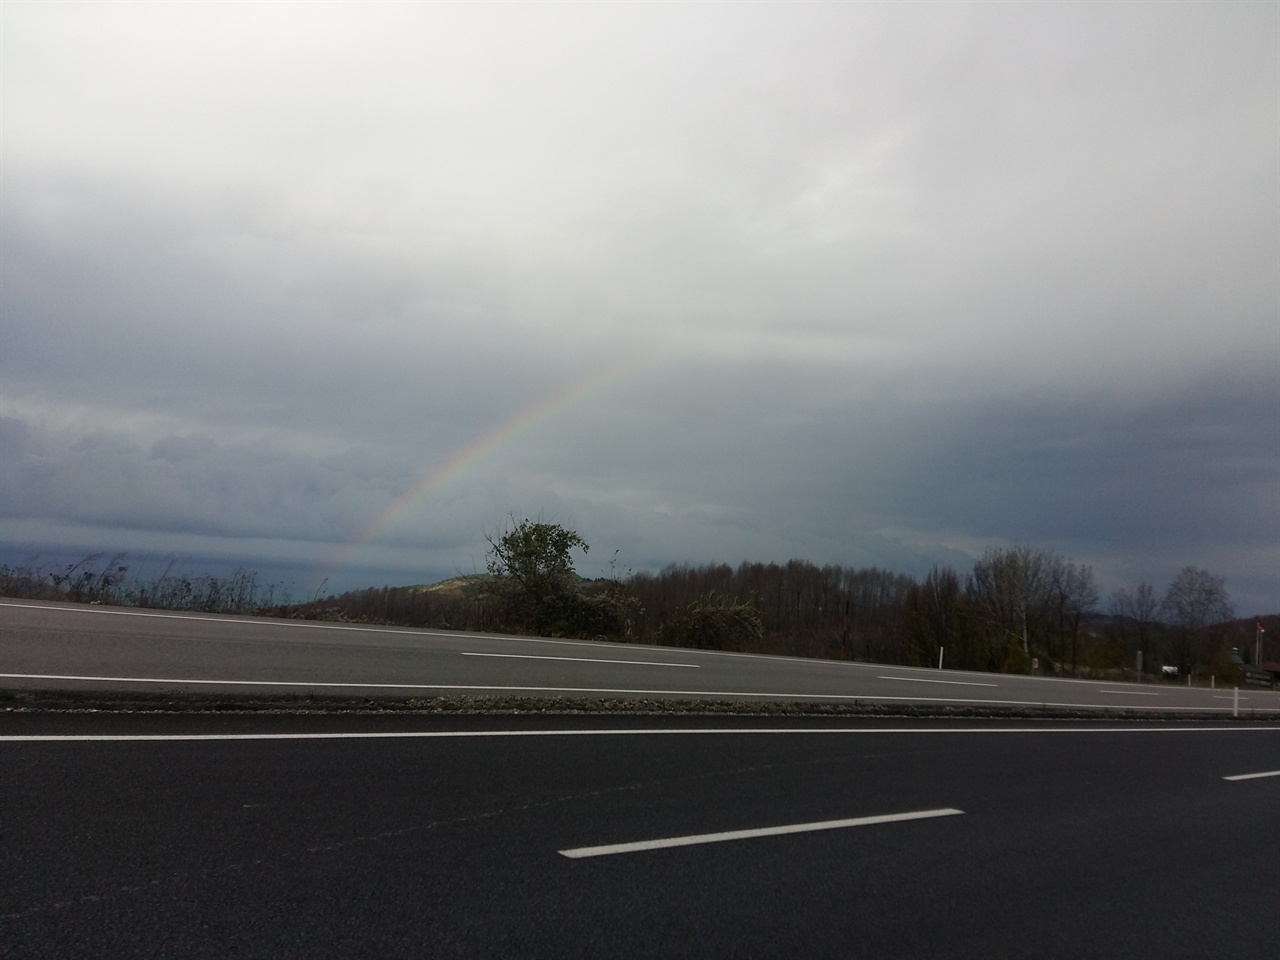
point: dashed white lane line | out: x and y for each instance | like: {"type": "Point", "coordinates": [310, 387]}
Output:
{"type": "Point", "coordinates": [1253, 776]}
{"type": "Point", "coordinates": [954, 683]}
{"type": "Point", "coordinates": [1128, 693]}
{"type": "Point", "coordinates": [638, 663]}
{"type": "Point", "coordinates": [577, 853]}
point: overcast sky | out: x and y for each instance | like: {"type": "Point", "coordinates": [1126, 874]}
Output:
{"type": "Point", "coordinates": [343, 285]}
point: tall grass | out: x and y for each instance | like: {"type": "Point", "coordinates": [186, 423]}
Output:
{"type": "Point", "coordinates": [90, 580]}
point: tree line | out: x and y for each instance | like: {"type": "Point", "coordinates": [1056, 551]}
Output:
{"type": "Point", "coordinates": [1018, 609]}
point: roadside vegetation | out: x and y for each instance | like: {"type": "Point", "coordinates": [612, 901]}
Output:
{"type": "Point", "coordinates": [1019, 609]}
{"type": "Point", "coordinates": [93, 580]}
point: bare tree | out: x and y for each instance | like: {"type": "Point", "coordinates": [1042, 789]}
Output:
{"type": "Point", "coordinates": [933, 616]}
{"type": "Point", "coordinates": [1195, 603]}
{"type": "Point", "coordinates": [1009, 587]}
{"type": "Point", "coordinates": [1077, 595]}
{"type": "Point", "coordinates": [1142, 607]}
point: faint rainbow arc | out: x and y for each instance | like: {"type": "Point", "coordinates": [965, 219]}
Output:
{"type": "Point", "coordinates": [473, 452]}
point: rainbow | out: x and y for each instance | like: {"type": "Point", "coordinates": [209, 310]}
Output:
{"type": "Point", "coordinates": [465, 457]}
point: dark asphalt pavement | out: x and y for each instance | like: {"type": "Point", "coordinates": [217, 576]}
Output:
{"type": "Point", "coordinates": [1075, 841]}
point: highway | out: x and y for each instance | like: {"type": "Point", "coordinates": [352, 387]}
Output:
{"type": "Point", "coordinates": [53, 646]}
{"type": "Point", "coordinates": [322, 836]}
{"type": "Point", "coordinates": [376, 835]}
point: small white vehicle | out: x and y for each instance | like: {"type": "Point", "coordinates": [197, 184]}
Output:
{"type": "Point", "coordinates": [1169, 671]}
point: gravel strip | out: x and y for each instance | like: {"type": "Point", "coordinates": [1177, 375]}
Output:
{"type": "Point", "coordinates": [74, 701]}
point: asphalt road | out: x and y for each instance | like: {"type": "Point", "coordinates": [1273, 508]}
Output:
{"type": "Point", "coordinates": [466, 837]}
{"type": "Point", "coordinates": [70, 646]}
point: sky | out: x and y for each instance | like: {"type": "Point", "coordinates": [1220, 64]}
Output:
{"type": "Point", "coordinates": [340, 289]}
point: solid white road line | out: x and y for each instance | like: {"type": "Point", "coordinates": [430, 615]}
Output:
{"type": "Point", "coordinates": [578, 853]}
{"type": "Point", "coordinates": [528, 656]}
{"type": "Point", "coordinates": [620, 732]}
{"type": "Point", "coordinates": [954, 683]}
{"type": "Point", "coordinates": [597, 691]}
{"type": "Point", "coordinates": [1253, 776]}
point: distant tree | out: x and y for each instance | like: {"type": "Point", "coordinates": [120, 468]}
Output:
{"type": "Point", "coordinates": [1195, 604]}
{"type": "Point", "coordinates": [1009, 587]}
{"type": "Point", "coordinates": [532, 566]}
{"type": "Point", "coordinates": [934, 617]}
{"type": "Point", "coordinates": [875, 601]}
{"type": "Point", "coordinates": [1142, 607]}
{"type": "Point", "coordinates": [1076, 595]}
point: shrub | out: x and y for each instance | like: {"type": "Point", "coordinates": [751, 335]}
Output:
{"type": "Point", "coordinates": [714, 622]}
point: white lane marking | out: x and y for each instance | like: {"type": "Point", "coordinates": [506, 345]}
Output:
{"type": "Point", "coordinates": [621, 732]}
{"type": "Point", "coordinates": [1128, 693]}
{"type": "Point", "coordinates": [954, 683]}
{"type": "Point", "coordinates": [1253, 776]}
{"type": "Point", "coordinates": [736, 694]}
{"type": "Point", "coordinates": [577, 853]}
{"type": "Point", "coordinates": [529, 656]}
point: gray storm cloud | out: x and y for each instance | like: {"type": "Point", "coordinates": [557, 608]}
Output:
{"type": "Point", "coordinates": [888, 282]}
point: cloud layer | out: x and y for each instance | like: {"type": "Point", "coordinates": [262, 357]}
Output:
{"type": "Point", "coordinates": [860, 284]}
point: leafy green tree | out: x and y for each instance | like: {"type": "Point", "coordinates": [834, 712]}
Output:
{"type": "Point", "coordinates": [532, 567]}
